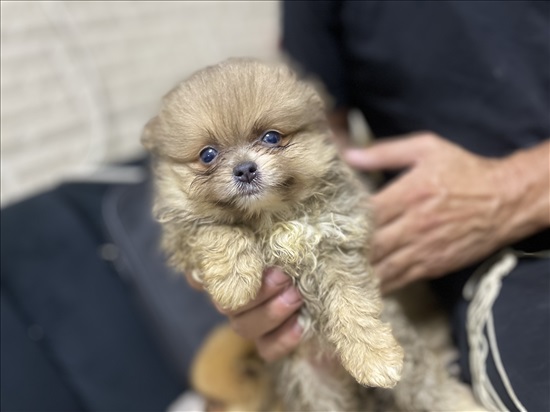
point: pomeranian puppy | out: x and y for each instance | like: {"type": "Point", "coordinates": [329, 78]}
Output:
{"type": "Point", "coordinates": [247, 177]}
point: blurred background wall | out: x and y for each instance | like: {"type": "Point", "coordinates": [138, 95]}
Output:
{"type": "Point", "coordinates": [80, 79]}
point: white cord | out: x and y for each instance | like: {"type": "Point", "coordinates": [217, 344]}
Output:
{"type": "Point", "coordinates": [479, 316]}
{"type": "Point", "coordinates": [500, 366]}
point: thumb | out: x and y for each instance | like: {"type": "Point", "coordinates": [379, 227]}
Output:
{"type": "Point", "coordinates": [397, 153]}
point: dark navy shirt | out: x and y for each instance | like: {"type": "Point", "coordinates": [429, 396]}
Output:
{"type": "Point", "coordinates": [475, 72]}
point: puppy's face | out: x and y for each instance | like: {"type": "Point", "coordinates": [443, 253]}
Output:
{"type": "Point", "coordinates": [242, 136]}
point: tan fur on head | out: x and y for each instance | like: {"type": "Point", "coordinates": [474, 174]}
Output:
{"type": "Point", "coordinates": [229, 107]}
{"type": "Point", "coordinates": [299, 207]}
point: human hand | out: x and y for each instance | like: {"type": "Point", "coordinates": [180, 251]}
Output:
{"type": "Point", "coordinates": [271, 319]}
{"type": "Point", "coordinates": [450, 208]}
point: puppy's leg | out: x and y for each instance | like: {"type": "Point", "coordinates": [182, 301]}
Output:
{"type": "Point", "coordinates": [230, 265]}
{"type": "Point", "coordinates": [352, 304]}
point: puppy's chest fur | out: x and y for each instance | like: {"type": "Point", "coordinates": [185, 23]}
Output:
{"type": "Point", "coordinates": [299, 245]}
{"type": "Point", "coordinates": [320, 237]}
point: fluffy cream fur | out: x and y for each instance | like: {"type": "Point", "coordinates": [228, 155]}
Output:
{"type": "Point", "coordinates": [305, 212]}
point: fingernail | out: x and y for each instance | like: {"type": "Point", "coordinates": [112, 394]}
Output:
{"type": "Point", "coordinates": [276, 276]}
{"type": "Point", "coordinates": [357, 156]}
{"type": "Point", "coordinates": [291, 296]}
{"type": "Point", "coordinates": [353, 154]}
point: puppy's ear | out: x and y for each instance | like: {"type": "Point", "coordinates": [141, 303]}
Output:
{"type": "Point", "coordinates": [149, 135]}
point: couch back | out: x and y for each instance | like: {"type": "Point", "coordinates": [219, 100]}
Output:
{"type": "Point", "coordinates": [80, 79]}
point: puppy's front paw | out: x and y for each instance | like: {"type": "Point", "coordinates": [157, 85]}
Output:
{"type": "Point", "coordinates": [379, 367]}
{"type": "Point", "coordinates": [234, 291]}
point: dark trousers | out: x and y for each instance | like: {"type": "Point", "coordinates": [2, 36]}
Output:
{"type": "Point", "coordinates": [517, 339]}
{"type": "Point", "coordinates": [82, 328]}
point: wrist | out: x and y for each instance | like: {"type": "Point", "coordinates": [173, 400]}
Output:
{"type": "Point", "coordinates": [524, 182]}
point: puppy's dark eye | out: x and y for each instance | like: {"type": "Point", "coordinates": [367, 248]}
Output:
{"type": "Point", "coordinates": [208, 154]}
{"type": "Point", "coordinates": [272, 138]}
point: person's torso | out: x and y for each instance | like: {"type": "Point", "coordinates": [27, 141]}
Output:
{"type": "Point", "coordinates": [477, 73]}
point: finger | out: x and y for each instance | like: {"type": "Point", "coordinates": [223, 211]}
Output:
{"type": "Point", "coordinates": [274, 282]}
{"type": "Point", "coordinates": [399, 268]}
{"type": "Point", "coordinates": [398, 282]}
{"type": "Point", "coordinates": [394, 265]}
{"type": "Point", "coordinates": [268, 316]}
{"type": "Point", "coordinates": [392, 285]}
{"type": "Point", "coordinates": [281, 341]}
{"type": "Point", "coordinates": [389, 238]}
{"type": "Point", "coordinates": [391, 154]}
{"type": "Point", "coordinates": [393, 201]}
{"type": "Point", "coordinates": [402, 194]}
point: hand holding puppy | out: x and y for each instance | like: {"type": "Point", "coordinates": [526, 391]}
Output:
{"type": "Point", "coordinates": [270, 320]}
{"type": "Point", "coordinates": [451, 207]}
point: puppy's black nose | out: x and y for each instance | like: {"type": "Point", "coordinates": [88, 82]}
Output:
{"type": "Point", "coordinates": [245, 172]}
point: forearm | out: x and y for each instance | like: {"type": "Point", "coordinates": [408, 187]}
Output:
{"type": "Point", "coordinates": [525, 180]}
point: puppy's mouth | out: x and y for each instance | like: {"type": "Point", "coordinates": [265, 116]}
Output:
{"type": "Point", "coordinates": [259, 195]}
{"type": "Point", "coordinates": [254, 188]}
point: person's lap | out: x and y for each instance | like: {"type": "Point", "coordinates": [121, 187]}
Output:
{"type": "Point", "coordinates": [517, 338]}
